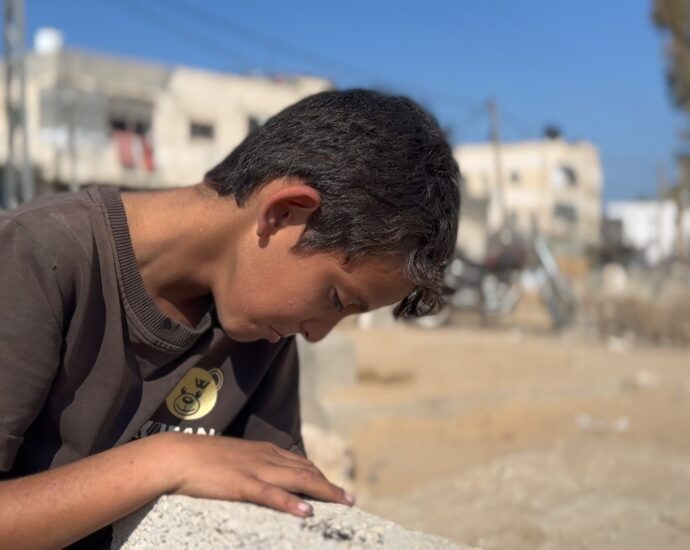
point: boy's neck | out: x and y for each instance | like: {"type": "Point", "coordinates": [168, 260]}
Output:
{"type": "Point", "coordinates": [179, 236]}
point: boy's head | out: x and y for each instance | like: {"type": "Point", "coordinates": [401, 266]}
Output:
{"type": "Point", "coordinates": [385, 180]}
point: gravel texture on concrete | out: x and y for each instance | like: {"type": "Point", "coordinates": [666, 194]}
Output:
{"type": "Point", "coordinates": [183, 522]}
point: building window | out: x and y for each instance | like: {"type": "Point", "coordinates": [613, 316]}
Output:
{"type": "Point", "coordinates": [564, 176]}
{"type": "Point", "coordinates": [118, 124]}
{"type": "Point", "coordinates": [565, 212]}
{"type": "Point", "coordinates": [129, 115]}
{"type": "Point", "coordinates": [129, 121]}
{"type": "Point", "coordinates": [200, 130]}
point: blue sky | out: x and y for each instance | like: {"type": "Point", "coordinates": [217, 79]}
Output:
{"type": "Point", "coordinates": [595, 68]}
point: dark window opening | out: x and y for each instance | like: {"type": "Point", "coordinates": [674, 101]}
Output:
{"type": "Point", "coordinates": [129, 115]}
{"type": "Point", "coordinates": [201, 130]}
{"type": "Point", "coordinates": [141, 128]}
{"type": "Point", "coordinates": [118, 124]}
{"type": "Point", "coordinates": [565, 212]}
{"type": "Point", "coordinates": [569, 175]}
{"type": "Point", "coordinates": [123, 125]}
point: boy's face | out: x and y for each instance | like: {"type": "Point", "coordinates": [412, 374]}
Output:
{"type": "Point", "coordinates": [272, 291]}
{"type": "Point", "coordinates": [304, 294]}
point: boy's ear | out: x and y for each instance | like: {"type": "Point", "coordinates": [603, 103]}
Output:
{"type": "Point", "coordinates": [289, 205]}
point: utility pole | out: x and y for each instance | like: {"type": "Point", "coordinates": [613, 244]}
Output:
{"type": "Point", "coordinates": [18, 183]}
{"type": "Point", "coordinates": [661, 191]}
{"type": "Point", "coordinates": [498, 191]}
{"type": "Point", "coordinates": [682, 203]}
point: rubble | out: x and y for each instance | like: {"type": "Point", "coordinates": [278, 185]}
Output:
{"type": "Point", "coordinates": [588, 423]}
{"type": "Point", "coordinates": [649, 306]}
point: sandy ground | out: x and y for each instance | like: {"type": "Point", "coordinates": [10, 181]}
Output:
{"type": "Point", "coordinates": [513, 438]}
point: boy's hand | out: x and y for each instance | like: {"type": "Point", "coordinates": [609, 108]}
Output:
{"type": "Point", "coordinates": [251, 471]}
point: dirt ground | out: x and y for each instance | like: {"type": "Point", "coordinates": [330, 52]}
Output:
{"type": "Point", "coordinates": [515, 438]}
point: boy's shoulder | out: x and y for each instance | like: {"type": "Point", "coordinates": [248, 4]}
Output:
{"type": "Point", "coordinates": [57, 223]}
{"type": "Point", "coordinates": [62, 233]}
{"type": "Point", "coordinates": [47, 209]}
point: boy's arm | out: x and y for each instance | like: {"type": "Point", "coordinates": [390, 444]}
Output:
{"type": "Point", "coordinates": [31, 326]}
{"type": "Point", "coordinates": [58, 507]}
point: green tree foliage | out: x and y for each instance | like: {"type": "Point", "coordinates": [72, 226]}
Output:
{"type": "Point", "coordinates": [673, 17]}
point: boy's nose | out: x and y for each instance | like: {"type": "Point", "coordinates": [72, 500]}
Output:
{"type": "Point", "coordinates": [313, 331]}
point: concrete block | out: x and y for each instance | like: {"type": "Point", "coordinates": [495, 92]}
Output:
{"type": "Point", "coordinates": [324, 367]}
{"type": "Point", "coordinates": [188, 523]}
{"type": "Point", "coordinates": [331, 454]}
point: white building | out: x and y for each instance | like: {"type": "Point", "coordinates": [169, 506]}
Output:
{"type": "Point", "coordinates": [95, 118]}
{"type": "Point", "coordinates": [650, 226]}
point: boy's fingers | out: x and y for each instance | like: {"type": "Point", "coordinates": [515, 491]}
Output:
{"type": "Point", "coordinates": [289, 462]}
{"type": "Point", "coordinates": [309, 481]}
{"type": "Point", "coordinates": [289, 454]}
{"type": "Point", "coordinates": [274, 497]}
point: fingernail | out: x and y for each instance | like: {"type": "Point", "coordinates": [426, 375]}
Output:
{"type": "Point", "coordinates": [350, 498]}
{"type": "Point", "coordinates": [304, 507]}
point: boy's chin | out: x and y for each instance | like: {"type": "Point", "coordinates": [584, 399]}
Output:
{"type": "Point", "coordinates": [238, 335]}
{"type": "Point", "coordinates": [243, 335]}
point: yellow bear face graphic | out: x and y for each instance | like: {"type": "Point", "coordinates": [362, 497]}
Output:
{"type": "Point", "coordinates": [196, 394]}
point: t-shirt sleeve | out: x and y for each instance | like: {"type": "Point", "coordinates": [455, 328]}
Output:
{"type": "Point", "coordinates": [273, 412]}
{"type": "Point", "coordinates": [30, 334]}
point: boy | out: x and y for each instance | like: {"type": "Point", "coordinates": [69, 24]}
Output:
{"type": "Point", "coordinates": [132, 323]}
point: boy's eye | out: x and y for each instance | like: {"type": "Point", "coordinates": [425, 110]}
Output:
{"type": "Point", "coordinates": [337, 304]}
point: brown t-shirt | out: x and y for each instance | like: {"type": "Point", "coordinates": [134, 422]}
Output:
{"type": "Point", "coordinates": [88, 360]}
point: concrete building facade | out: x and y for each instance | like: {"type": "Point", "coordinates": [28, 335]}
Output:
{"type": "Point", "coordinates": [653, 227]}
{"type": "Point", "coordinates": [93, 118]}
{"type": "Point", "coordinates": [552, 183]}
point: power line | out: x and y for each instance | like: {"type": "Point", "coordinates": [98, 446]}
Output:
{"type": "Point", "coordinates": [528, 129]}
{"type": "Point", "coordinates": [276, 45]}
{"type": "Point", "coordinates": [281, 47]}
{"type": "Point", "coordinates": [199, 39]}
{"type": "Point", "coordinates": [463, 126]}
{"type": "Point", "coordinates": [166, 19]}
{"type": "Point", "coordinates": [629, 161]}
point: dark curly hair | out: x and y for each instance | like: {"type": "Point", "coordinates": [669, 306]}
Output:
{"type": "Point", "coordinates": [388, 181]}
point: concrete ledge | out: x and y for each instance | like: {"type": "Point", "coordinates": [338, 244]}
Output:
{"type": "Point", "coordinates": [184, 523]}
{"type": "Point", "coordinates": [324, 367]}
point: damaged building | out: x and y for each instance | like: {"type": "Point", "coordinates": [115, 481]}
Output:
{"type": "Point", "coordinates": [94, 118]}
